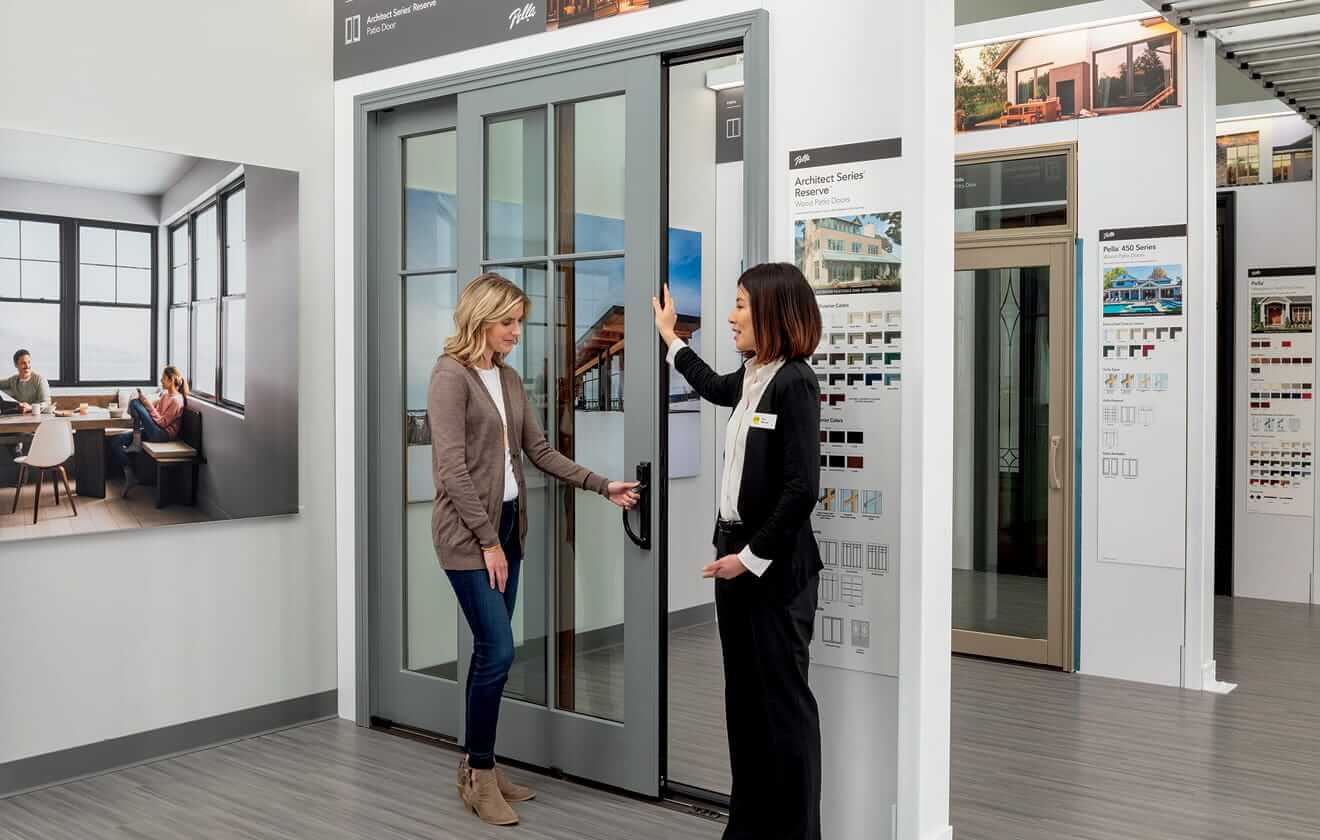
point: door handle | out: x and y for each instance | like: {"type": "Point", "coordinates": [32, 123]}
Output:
{"type": "Point", "coordinates": [643, 507]}
{"type": "Point", "coordinates": [1055, 480]}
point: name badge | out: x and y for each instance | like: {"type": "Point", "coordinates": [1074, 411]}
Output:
{"type": "Point", "coordinates": [764, 421]}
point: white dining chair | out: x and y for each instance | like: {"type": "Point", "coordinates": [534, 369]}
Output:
{"type": "Point", "coordinates": [52, 445]}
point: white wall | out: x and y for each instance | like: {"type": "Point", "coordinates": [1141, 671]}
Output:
{"type": "Point", "coordinates": [76, 202]}
{"type": "Point", "coordinates": [1276, 226]}
{"type": "Point", "coordinates": [108, 635]}
{"type": "Point", "coordinates": [1132, 616]}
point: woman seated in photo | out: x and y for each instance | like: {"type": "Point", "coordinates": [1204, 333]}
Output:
{"type": "Point", "coordinates": [154, 420]}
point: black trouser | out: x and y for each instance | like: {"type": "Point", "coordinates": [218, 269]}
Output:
{"type": "Point", "coordinates": [774, 725]}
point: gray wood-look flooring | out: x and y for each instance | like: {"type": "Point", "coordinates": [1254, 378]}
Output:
{"type": "Point", "coordinates": [325, 781]}
{"type": "Point", "coordinates": [1040, 754]}
{"type": "Point", "coordinates": [1036, 754]}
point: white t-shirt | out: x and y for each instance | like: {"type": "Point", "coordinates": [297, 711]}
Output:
{"type": "Point", "coordinates": [491, 379]}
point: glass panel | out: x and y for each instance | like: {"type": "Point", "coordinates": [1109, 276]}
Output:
{"type": "Point", "coordinates": [96, 245]}
{"type": "Point", "coordinates": [114, 344]}
{"type": "Point", "coordinates": [40, 240]}
{"type": "Point", "coordinates": [96, 283]}
{"type": "Point", "coordinates": [430, 643]}
{"type": "Point", "coordinates": [527, 679]}
{"type": "Point", "coordinates": [235, 364]}
{"type": "Point", "coordinates": [591, 603]}
{"type": "Point", "coordinates": [697, 739]}
{"type": "Point", "coordinates": [9, 273]}
{"type": "Point", "coordinates": [204, 350]}
{"type": "Point", "coordinates": [1001, 465]}
{"type": "Point", "coordinates": [590, 178]}
{"type": "Point", "coordinates": [134, 248]}
{"type": "Point", "coordinates": [430, 180]}
{"type": "Point", "coordinates": [208, 265]}
{"type": "Point", "coordinates": [1152, 69]}
{"type": "Point", "coordinates": [515, 186]}
{"type": "Point", "coordinates": [1110, 77]}
{"type": "Point", "coordinates": [134, 285]}
{"type": "Point", "coordinates": [35, 327]}
{"type": "Point", "coordinates": [236, 243]}
{"type": "Point", "coordinates": [995, 195]}
{"type": "Point", "coordinates": [1024, 85]}
{"type": "Point", "coordinates": [9, 238]}
{"type": "Point", "coordinates": [179, 340]}
{"type": "Point", "coordinates": [179, 259]}
{"type": "Point", "coordinates": [39, 280]}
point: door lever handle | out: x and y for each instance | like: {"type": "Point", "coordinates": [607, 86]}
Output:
{"type": "Point", "coordinates": [642, 541]}
{"type": "Point", "coordinates": [1055, 480]}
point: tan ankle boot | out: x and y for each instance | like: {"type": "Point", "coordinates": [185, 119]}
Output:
{"type": "Point", "coordinates": [481, 793]}
{"type": "Point", "coordinates": [511, 791]}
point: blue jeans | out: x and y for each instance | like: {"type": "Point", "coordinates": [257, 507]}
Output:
{"type": "Point", "coordinates": [489, 613]}
{"type": "Point", "coordinates": [151, 432]}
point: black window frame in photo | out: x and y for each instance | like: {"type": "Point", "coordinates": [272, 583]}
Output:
{"type": "Point", "coordinates": [220, 202]}
{"type": "Point", "coordinates": [70, 301]}
{"type": "Point", "coordinates": [1129, 76]}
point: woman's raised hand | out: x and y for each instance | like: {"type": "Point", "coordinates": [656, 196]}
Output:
{"type": "Point", "coordinates": [666, 317]}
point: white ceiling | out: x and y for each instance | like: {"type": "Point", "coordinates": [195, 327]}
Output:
{"type": "Point", "coordinates": [82, 163]}
{"type": "Point", "coordinates": [1275, 42]}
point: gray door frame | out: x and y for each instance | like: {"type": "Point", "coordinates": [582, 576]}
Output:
{"type": "Point", "coordinates": [750, 28]}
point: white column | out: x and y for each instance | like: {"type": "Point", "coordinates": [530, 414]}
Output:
{"type": "Point", "coordinates": [1200, 299]}
{"type": "Point", "coordinates": [927, 424]}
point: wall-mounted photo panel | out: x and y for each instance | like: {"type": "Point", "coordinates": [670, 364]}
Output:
{"type": "Point", "coordinates": [1262, 150]}
{"type": "Point", "coordinates": [148, 335]}
{"type": "Point", "coordinates": [1122, 68]}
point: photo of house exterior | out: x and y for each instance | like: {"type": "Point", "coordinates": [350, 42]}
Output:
{"type": "Point", "coordinates": [561, 13]}
{"type": "Point", "coordinates": [1144, 290]}
{"type": "Point", "coordinates": [851, 253]}
{"type": "Point", "coordinates": [1118, 69]}
{"type": "Point", "coordinates": [1281, 313]}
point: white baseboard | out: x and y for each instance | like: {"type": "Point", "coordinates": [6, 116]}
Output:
{"type": "Point", "coordinates": [945, 833]}
{"type": "Point", "coordinates": [1210, 681]}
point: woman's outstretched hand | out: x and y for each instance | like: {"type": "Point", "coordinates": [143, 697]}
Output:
{"type": "Point", "coordinates": [624, 493]}
{"type": "Point", "coordinates": [666, 317]}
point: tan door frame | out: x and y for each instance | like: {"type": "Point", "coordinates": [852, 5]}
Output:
{"type": "Point", "coordinates": [1055, 246]}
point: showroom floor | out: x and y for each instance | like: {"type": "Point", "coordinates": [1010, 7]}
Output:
{"type": "Point", "coordinates": [1036, 754]}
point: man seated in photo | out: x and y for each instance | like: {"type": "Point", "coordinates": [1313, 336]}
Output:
{"type": "Point", "coordinates": [31, 391]}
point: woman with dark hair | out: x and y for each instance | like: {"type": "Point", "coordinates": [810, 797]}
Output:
{"type": "Point", "coordinates": [767, 562]}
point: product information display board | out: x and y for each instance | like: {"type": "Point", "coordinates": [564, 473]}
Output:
{"type": "Point", "coordinates": [848, 236]}
{"type": "Point", "coordinates": [1280, 392]}
{"type": "Point", "coordinates": [1143, 397]}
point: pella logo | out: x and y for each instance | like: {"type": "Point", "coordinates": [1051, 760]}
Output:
{"type": "Point", "coordinates": [522, 15]}
{"type": "Point", "coordinates": [801, 159]}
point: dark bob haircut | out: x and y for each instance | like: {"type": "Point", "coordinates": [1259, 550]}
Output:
{"type": "Point", "coordinates": [785, 318]}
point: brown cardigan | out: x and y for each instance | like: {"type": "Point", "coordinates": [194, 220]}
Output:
{"type": "Point", "coordinates": [467, 460]}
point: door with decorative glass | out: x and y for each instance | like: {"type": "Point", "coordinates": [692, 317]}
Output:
{"type": "Point", "coordinates": [1013, 451]}
{"type": "Point", "coordinates": [553, 182]}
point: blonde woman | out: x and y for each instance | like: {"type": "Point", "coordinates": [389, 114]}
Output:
{"type": "Point", "coordinates": [481, 425]}
{"type": "Point", "coordinates": [154, 420]}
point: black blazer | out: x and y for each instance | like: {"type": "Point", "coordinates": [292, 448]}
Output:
{"type": "Point", "coordinates": [781, 468]}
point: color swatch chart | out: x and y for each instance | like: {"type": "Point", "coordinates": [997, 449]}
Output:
{"type": "Point", "coordinates": [859, 369]}
{"type": "Point", "coordinates": [1280, 404]}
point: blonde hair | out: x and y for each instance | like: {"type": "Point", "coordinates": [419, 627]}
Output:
{"type": "Point", "coordinates": [173, 374]}
{"type": "Point", "coordinates": [488, 299]}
